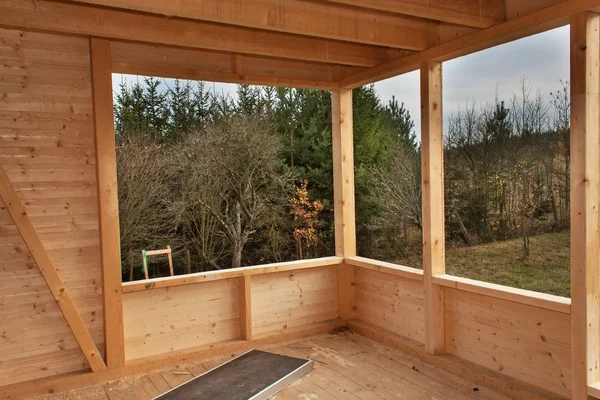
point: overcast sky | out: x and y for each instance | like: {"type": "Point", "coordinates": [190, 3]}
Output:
{"type": "Point", "coordinates": [542, 59]}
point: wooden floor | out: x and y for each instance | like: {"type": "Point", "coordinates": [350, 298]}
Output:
{"type": "Point", "coordinates": [347, 366]}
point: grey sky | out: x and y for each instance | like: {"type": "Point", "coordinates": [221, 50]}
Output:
{"type": "Point", "coordinates": [542, 59]}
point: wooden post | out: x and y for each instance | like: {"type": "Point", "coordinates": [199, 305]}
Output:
{"type": "Point", "coordinates": [585, 140]}
{"type": "Point", "coordinates": [343, 196]}
{"type": "Point", "coordinates": [432, 163]}
{"type": "Point", "coordinates": [108, 207]}
{"type": "Point", "coordinates": [246, 307]}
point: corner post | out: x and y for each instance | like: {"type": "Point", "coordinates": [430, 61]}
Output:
{"type": "Point", "coordinates": [585, 140]}
{"type": "Point", "coordinates": [343, 194]}
{"type": "Point", "coordinates": [432, 166]}
{"type": "Point", "coordinates": [108, 203]}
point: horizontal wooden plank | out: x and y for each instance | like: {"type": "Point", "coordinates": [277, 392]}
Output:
{"type": "Point", "coordinates": [528, 297]}
{"type": "Point", "coordinates": [156, 283]}
{"type": "Point", "coordinates": [139, 59]}
{"type": "Point", "coordinates": [386, 267]}
{"type": "Point", "coordinates": [123, 25]}
{"type": "Point", "coordinates": [317, 19]}
{"type": "Point", "coordinates": [527, 25]}
{"type": "Point", "coordinates": [475, 13]}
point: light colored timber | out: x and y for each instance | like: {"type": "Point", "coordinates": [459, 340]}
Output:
{"type": "Point", "coordinates": [473, 372]}
{"type": "Point", "coordinates": [158, 252]}
{"type": "Point", "coordinates": [287, 300]}
{"type": "Point", "coordinates": [71, 381]}
{"type": "Point", "coordinates": [364, 369]}
{"type": "Point", "coordinates": [343, 193]}
{"type": "Point", "coordinates": [55, 284]}
{"type": "Point", "coordinates": [521, 296]}
{"type": "Point", "coordinates": [177, 318]}
{"type": "Point", "coordinates": [585, 139]}
{"type": "Point", "coordinates": [137, 286]}
{"type": "Point", "coordinates": [527, 25]}
{"type": "Point", "coordinates": [594, 390]}
{"type": "Point", "coordinates": [386, 268]}
{"type": "Point", "coordinates": [475, 13]}
{"type": "Point", "coordinates": [144, 28]}
{"type": "Point", "coordinates": [245, 289]}
{"type": "Point", "coordinates": [319, 19]}
{"type": "Point", "coordinates": [108, 207]}
{"type": "Point", "coordinates": [432, 170]}
{"type": "Point", "coordinates": [343, 173]}
{"type": "Point", "coordinates": [391, 302]}
{"type": "Point", "coordinates": [524, 342]}
{"type": "Point", "coordinates": [139, 59]}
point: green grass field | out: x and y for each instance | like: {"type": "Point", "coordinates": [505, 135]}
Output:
{"type": "Point", "coordinates": [546, 270]}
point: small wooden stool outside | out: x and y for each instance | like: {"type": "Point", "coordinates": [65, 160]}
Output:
{"type": "Point", "coordinates": [146, 254]}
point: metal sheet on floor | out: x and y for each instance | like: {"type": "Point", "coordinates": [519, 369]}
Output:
{"type": "Point", "coordinates": [255, 375]}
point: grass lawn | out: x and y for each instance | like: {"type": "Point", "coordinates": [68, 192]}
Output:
{"type": "Point", "coordinates": [546, 270]}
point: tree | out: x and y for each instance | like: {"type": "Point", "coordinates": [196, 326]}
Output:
{"type": "Point", "coordinates": [230, 170]}
{"type": "Point", "coordinates": [400, 123]}
{"type": "Point", "coordinates": [306, 220]}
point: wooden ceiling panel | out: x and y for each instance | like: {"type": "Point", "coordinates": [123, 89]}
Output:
{"type": "Point", "coordinates": [138, 59]}
{"type": "Point", "coordinates": [474, 13]}
{"type": "Point", "coordinates": [318, 19]}
{"type": "Point", "coordinates": [529, 24]}
{"type": "Point", "coordinates": [145, 28]}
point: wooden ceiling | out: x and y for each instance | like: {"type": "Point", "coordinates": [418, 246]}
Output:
{"type": "Point", "coordinates": [303, 43]}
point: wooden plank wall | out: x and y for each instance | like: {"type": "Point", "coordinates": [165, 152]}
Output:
{"type": "Point", "coordinates": [521, 341]}
{"type": "Point", "coordinates": [291, 299]}
{"type": "Point", "coordinates": [391, 302]}
{"type": "Point", "coordinates": [524, 342]}
{"type": "Point", "coordinates": [163, 320]}
{"type": "Point", "coordinates": [47, 149]}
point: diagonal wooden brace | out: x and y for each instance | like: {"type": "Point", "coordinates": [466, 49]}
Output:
{"type": "Point", "coordinates": [49, 272]}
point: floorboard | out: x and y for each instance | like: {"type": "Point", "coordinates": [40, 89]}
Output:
{"type": "Point", "coordinates": [347, 366]}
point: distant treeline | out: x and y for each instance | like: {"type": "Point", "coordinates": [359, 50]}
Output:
{"type": "Point", "coordinates": [228, 182]}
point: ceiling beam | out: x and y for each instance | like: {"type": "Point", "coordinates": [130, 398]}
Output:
{"type": "Point", "coordinates": [527, 25]}
{"type": "Point", "coordinates": [123, 25]}
{"type": "Point", "coordinates": [140, 59]}
{"type": "Point", "coordinates": [317, 19]}
{"type": "Point", "coordinates": [473, 13]}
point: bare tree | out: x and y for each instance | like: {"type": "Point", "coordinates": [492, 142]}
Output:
{"type": "Point", "coordinates": [145, 218]}
{"type": "Point", "coordinates": [229, 170]}
{"type": "Point", "coordinates": [398, 189]}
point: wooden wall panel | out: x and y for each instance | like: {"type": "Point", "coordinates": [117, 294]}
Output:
{"type": "Point", "coordinates": [524, 342]}
{"type": "Point", "coordinates": [47, 149]}
{"type": "Point", "coordinates": [162, 320]}
{"type": "Point", "coordinates": [290, 299]}
{"type": "Point", "coordinates": [391, 302]}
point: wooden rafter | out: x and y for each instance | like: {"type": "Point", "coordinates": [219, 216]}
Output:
{"type": "Point", "coordinates": [139, 59]}
{"type": "Point", "coordinates": [48, 270]}
{"type": "Point", "coordinates": [530, 24]}
{"type": "Point", "coordinates": [152, 29]}
{"type": "Point", "coordinates": [318, 19]}
{"type": "Point", "coordinates": [475, 13]}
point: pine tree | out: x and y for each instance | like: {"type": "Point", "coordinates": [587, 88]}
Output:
{"type": "Point", "coordinates": [400, 123]}
{"type": "Point", "coordinates": [157, 112]}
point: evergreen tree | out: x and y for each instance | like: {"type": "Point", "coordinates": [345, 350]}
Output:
{"type": "Point", "coordinates": [157, 112]}
{"type": "Point", "coordinates": [180, 110]}
{"type": "Point", "coordinates": [400, 123]}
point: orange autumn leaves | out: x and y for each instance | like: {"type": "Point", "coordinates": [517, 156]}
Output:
{"type": "Point", "coordinates": [306, 220]}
